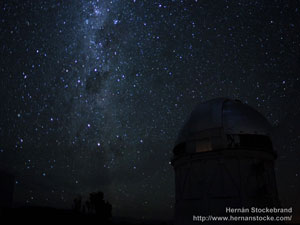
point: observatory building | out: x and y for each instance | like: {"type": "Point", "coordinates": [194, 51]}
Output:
{"type": "Point", "coordinates": [223, 159]}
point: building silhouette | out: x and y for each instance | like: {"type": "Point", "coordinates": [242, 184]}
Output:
{"type": "Point", "coordinates": [223, 159]}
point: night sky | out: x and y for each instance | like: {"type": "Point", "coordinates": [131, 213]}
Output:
{"type": "Point", "coordinates": [93, 93]}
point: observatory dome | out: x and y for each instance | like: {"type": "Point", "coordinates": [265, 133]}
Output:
{"type": "Point", "coordinates": [221, 124]}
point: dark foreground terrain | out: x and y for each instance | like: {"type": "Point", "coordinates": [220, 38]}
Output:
{"type": "Point", "coordinates": [46, 214]}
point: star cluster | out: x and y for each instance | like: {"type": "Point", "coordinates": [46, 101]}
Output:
{"type": "Point", "coordinates": [93, 93]}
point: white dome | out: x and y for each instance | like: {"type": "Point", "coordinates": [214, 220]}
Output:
{"type": "Point", "coordinates": [219, 119]}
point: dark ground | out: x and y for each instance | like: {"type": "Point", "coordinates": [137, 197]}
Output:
{"type": "Point", "coordinates": [46, 214]}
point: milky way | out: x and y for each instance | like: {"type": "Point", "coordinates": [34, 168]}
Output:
{"type": "Point", "coordinates": [93, 93]}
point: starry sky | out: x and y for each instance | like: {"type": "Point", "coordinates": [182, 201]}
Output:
{"type": "Point", "coordinates": [93, 93]}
